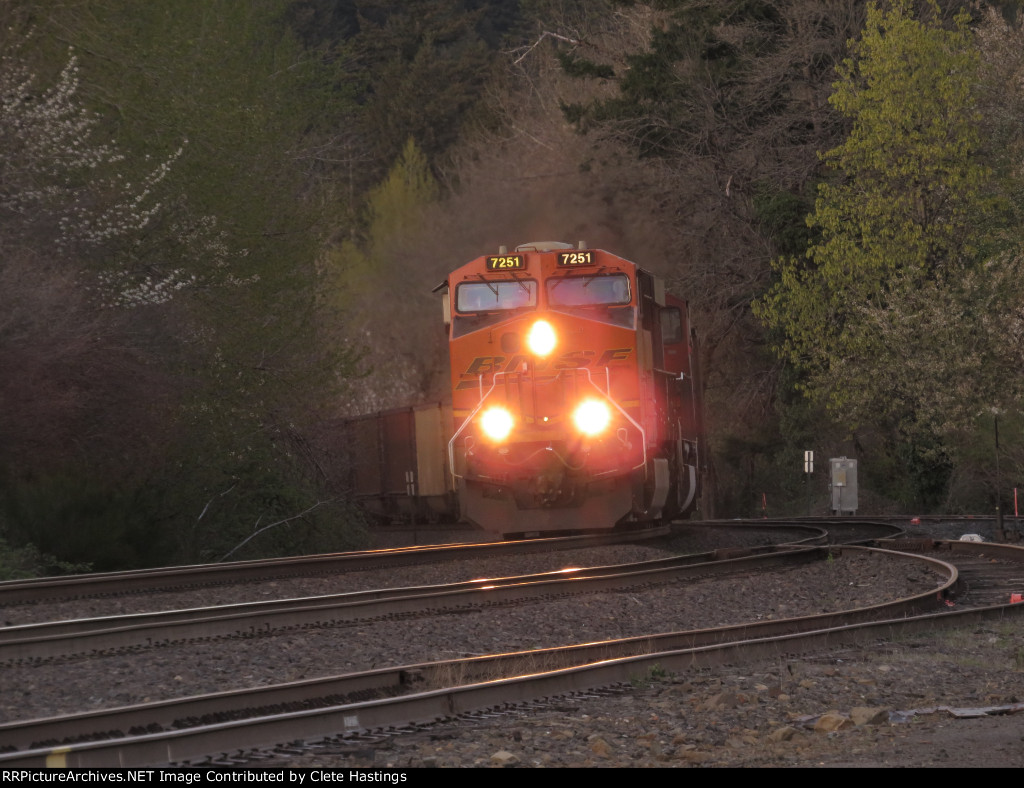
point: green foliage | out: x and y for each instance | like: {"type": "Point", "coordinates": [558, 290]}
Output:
{"type": "Point", "coordinates": [226, 81]}
{"type": "Point", "coordinates": [652, 675]}
{"type": "Point", "coordinates": [401, 198]}
{"type": "Point", "coordinates": [901, 314]}
{"type": "Point", "coordinates": [80, 519]}
{"type": "Point", "coordinates": [915, 181]}
{"type": "Point", "coordinates": [899, 215]}
{"type": "Point", "coordinates": [21, 563]}
{"type": "Point", "coordinates": [214, 297]}
{"type": "Point", "coordinates": [356, 274]}
{"type": "Point", "coordinates": [210, 504]}
{"type": "Point", "coordinates": [365, 276]}
{"type": "Point", "coordinates": [781, 215]}
{"type": "Point", "coordinates": [976, 485]}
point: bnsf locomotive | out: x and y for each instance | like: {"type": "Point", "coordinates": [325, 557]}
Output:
{"type": "Point", "coordinates": [575, 400]}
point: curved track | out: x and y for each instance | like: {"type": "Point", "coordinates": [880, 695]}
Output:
{"type": "Point", "coordinates": [147, 581]}
{"type": "Point", "coordinates": [352, 705]}
{"type": "Point", "coordinates": [36, 643]}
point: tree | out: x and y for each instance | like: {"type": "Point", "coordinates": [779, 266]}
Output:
{"type": "Point", "coordinates": [216, 289]}
{"type": "Point", "coordinates": [902, 313]}
{"type": "Point", "coordinates": [82, 408]}
{"type": "Point", "coordinates": [899, 216]}
{"type": "Point", "coordinates": [383, 287]}
{"type": "Point", "coordinates": [725, 104]}
{"type": "Point", "coordinates": [417, 67]}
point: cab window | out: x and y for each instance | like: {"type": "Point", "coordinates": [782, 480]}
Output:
{"type": "Point", "coordinates": [491, 296]}
{"type": "Point", "coordinates": [588, 290]}
{"type": "Point", "coordinates": [671, 325]}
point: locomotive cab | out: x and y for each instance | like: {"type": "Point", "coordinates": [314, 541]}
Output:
{"type": "Point", "coordinates": [575, 406]}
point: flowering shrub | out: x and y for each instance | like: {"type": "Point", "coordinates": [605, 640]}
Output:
{"type": "Point", "coordinates": [63, 189]}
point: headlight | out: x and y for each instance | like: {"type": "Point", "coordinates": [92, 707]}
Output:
{"type": "Point", "coordinates": [496, 423]}
{"type": "Point", "coordinates": [592, 417]}
{"type": "Point", "coordinates": [541, 338]}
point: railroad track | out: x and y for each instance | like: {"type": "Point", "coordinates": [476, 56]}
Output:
{"type": "Point", "coordinates": [35, 591]}
{"type": "Point", "coordinates": [988, 573]}
{"type": "Point", "coordinates": [362, 707]}
{"type": "Point", "coordinates": [151, 581]}
{"type": "Point", "coordinates": [48, 641]}
{"type": "Point", "coordinates": [379, 573]}
{"type": "Point", "coordinates": [447, 688]}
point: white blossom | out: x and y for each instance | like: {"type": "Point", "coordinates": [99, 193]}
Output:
{"type": "Point", "coordinates": [61, 183]}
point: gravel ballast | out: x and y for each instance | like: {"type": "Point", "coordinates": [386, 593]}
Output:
{"type": "Point", "coordinates": [878, 705]}
{"type": "Point", "coordinates": [80, 684]}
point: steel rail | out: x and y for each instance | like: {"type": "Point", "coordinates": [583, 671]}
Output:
{"type": "Point", "coordinates": [30, 642]}
{"type": "Point", "coordinates": [33, 590]}
{"type": "Point", "coordinates": [874, 528]}
{"type": "Point", "coordinates": [392, 681]}
{"type": "Point", "coordinates": [71, 628]}
{"type": "Point", "coordinates": [142, 580]}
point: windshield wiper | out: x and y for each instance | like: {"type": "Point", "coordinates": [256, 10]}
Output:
{"type": "Point", "coordinates": [493, 288]}
{"type": "Point", "coordinates": [591, 277]}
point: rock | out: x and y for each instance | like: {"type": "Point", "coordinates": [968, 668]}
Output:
{"type": "Point", "coordinates": [785, 733]}
{"type": "Point", "coordinates": [741, 742]}
{"type": "Point", "coordinates": [504, 758]}
{"type": "Point", "coordinates": [832, 721]}
{"type": "Point", "coordinates": [600, 747]}
{"type": "Point", "coordinates": [723, 700]}
{"type": "Point", "coordinates": [691, 756]}
{"type": "Point", "coordinates": [868, 715]}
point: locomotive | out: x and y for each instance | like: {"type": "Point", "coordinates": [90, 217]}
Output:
{"type": "Point", "coordinates": [575, 401]}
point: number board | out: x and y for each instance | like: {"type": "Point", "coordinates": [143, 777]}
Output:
{"type": "Point", "coordinates": [506, 262]}
{"type": "Point", "coordinates": [574, 259]}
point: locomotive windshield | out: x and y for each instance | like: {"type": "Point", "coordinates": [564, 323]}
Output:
{"type": "Point", "coordinates": [490, 296]}
{"type": "Point", "coordinates": [589, 290]}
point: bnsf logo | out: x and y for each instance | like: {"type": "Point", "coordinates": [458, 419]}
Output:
{"type": "Point", "coordinates": [574, 359]}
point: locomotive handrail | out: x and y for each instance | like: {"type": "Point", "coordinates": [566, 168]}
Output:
{"type": "Point", "coordinates": [469, 418]}
{"type": "Point", "coordinates": [607, 394]}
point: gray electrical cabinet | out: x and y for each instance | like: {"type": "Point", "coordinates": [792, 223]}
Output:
{"type": "Point", "coordinates": [843, 483]}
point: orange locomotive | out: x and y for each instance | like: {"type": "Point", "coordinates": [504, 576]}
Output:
{"type": "Point", "coordinates": [575, 395]}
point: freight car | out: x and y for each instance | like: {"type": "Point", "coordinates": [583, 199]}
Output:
{"type": "Point", "coordinates": [395, 463]}
{"type": "Point", "coordinates": [575, 401]}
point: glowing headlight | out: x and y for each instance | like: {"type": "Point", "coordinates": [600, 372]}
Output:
{"type": "Point", "coordinates": [496, 423]}
{"type": "Point", "coordinates": [541, 338]}
{"type": "Point", "coordinates": [592, 417]}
